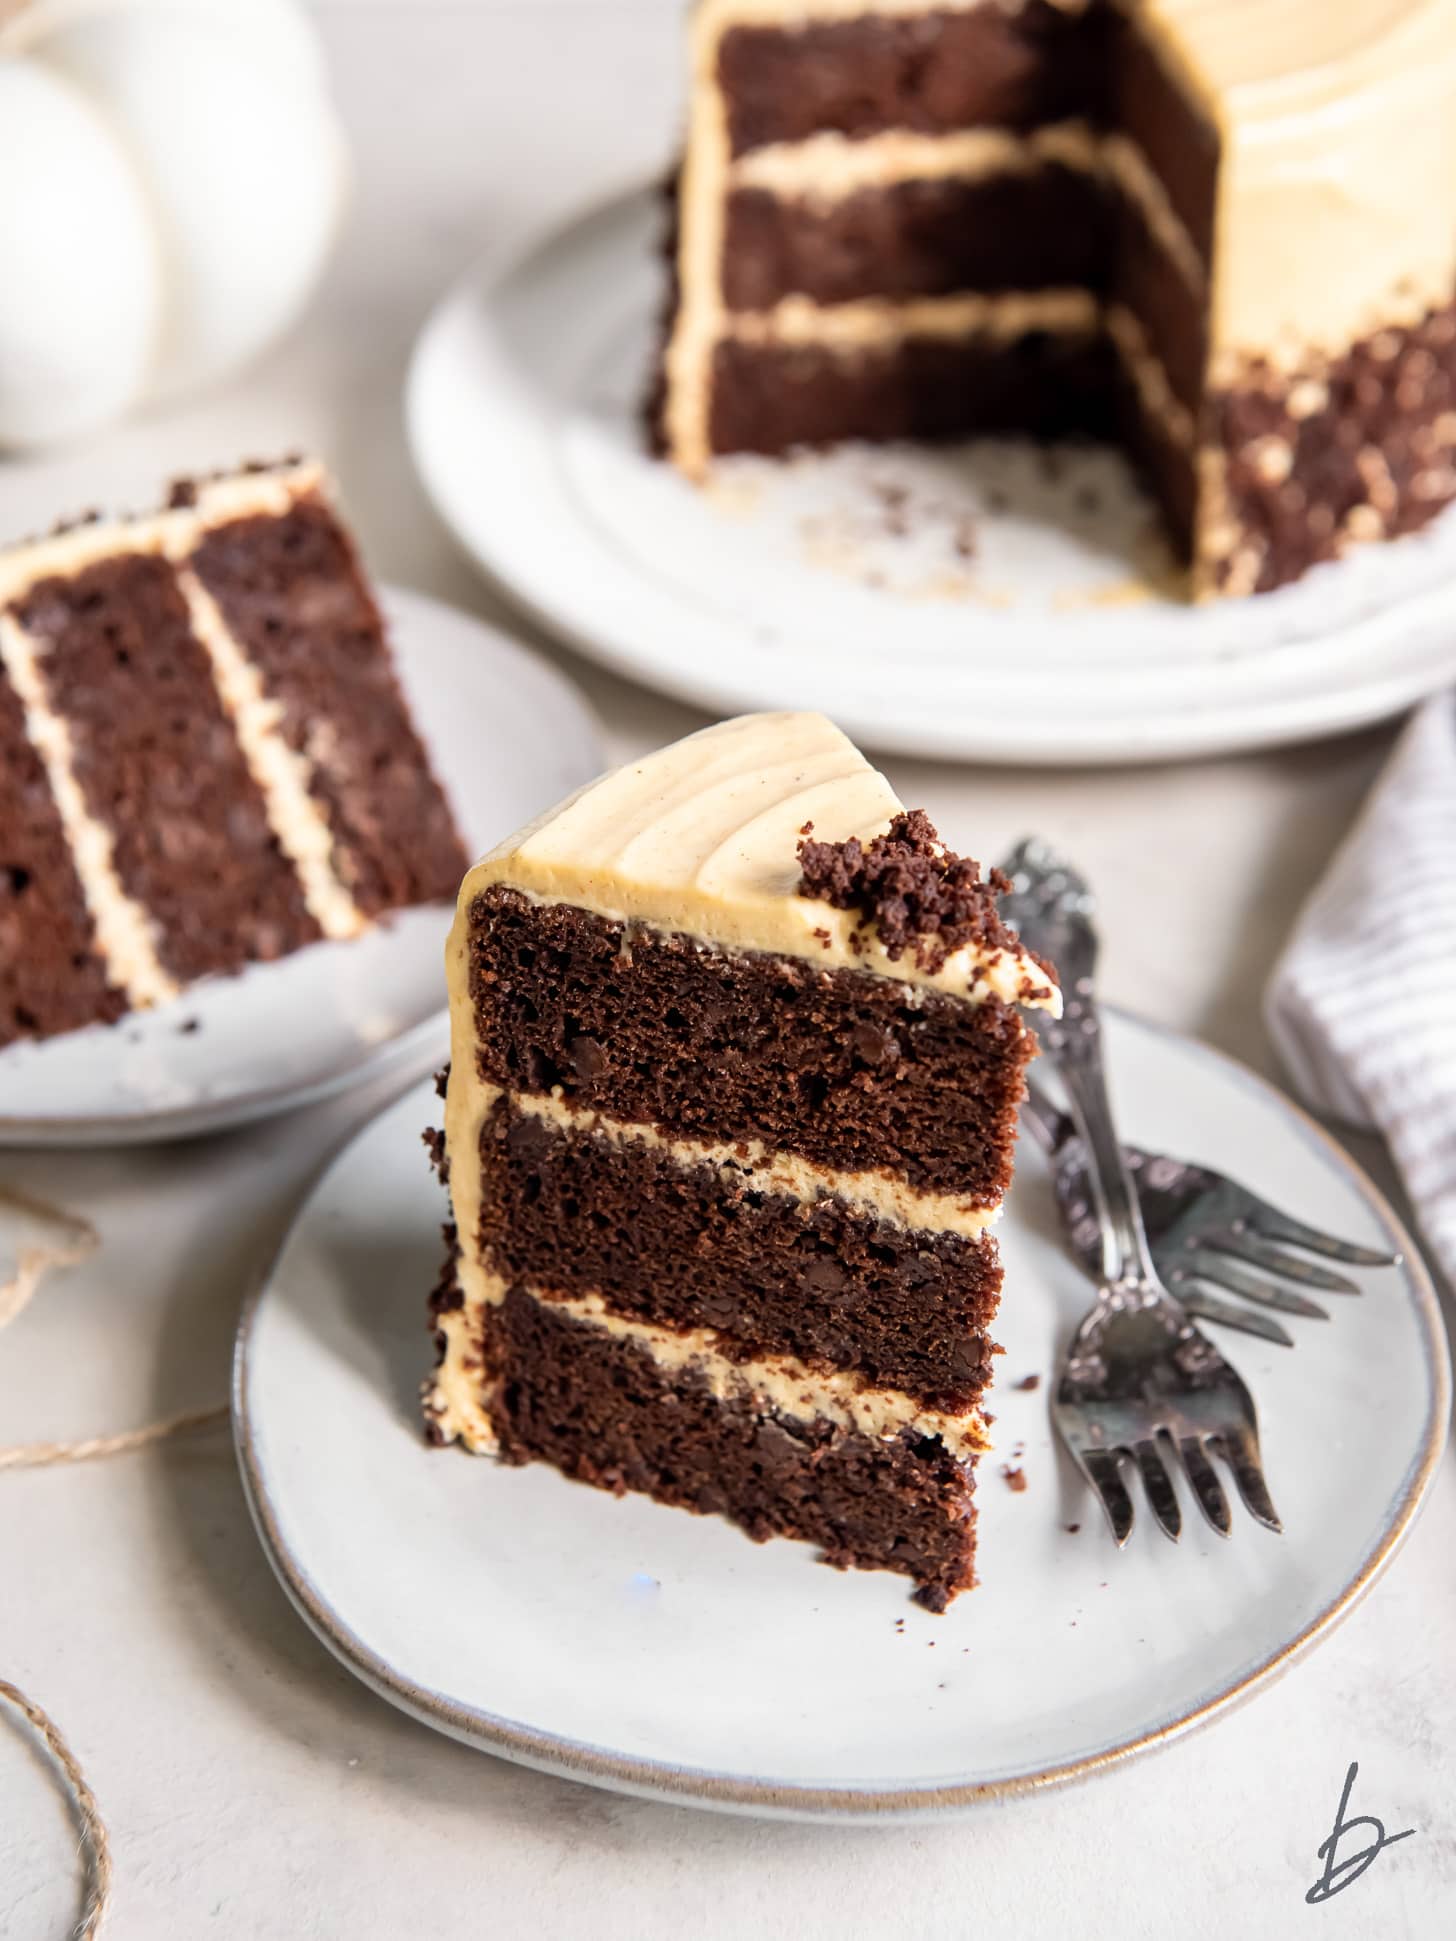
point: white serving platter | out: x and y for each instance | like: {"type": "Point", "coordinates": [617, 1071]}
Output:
{"type": "Point", "coordinates": [981, 601]}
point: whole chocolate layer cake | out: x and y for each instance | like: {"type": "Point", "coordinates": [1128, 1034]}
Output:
{"type": "Point", "coordinates": [1219, 232]}
{"type": "Point", "coordinates": [205, 757]}
{"type": "Point", "coordinates": [736, 1054]}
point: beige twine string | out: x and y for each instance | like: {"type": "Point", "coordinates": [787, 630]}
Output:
{"type": "Point", "coordinates": [83, 1800]}
{"type": "Point", "coordinates": [40, 1455]}
{"type": "Point", "coordinates": [32, 1265]}
{"type": "Point", "coordinates": [80, 1240]}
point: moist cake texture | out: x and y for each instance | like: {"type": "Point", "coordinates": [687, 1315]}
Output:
{"type": "Point", "coordinates": [205, 757]}
{"type": "Point", "coordinates": [1218, 232]}
{"type": "Point", "coordinates": [736, 1052]}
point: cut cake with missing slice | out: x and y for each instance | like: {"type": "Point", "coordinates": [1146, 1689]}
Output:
{"type": "Point", "coordinates": [737, 1048]}
{"type": "Point", "coordinates": [1112, 219]}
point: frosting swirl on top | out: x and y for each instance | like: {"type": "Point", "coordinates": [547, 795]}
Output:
{"type": "Point", "coordinates": [702, 839]}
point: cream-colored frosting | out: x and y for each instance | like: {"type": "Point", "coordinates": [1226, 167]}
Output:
{"type": "Point", "coordinates": [876, 323]}
{"type": "Point", "coordinates": [697, 321]}
{"type": "Point", "coordinates": [468, 1101]}
{"type": "Point", "coordinates": [125, 933]}
{"type": "Point", "coordinates": [702, 837]}
{"type": "Point", "coordinates": [126, 936]}
{"type": "Point", "coordinates": [455, 1394]}
{"type": "Point", "coordinates": [172, 534]}
{"type": "Point", "coordinates": [749, 1166]}
{"type": "Point", "coordinates": [1337, 120]}
{"type": "Point", "coordinates": [829, 165]}
{"type": "Point", "coordinates": [457, 1403]}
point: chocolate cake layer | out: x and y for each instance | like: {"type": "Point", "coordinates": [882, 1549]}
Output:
{"type": "Point", "coordinates": [1167, 470]}
{"type": "Point", "coordinates": [50, 977]}
{"type": "Point", "coordinates": [1149, 106]}
{"type": "Point", "coordinates": [935, 72]}
{"type": "Point", "coordinates": [1172, 312]}
{"type": "Point", "coordinates": [1362, 447]}
{"type": "Point", "coordinates": [602, 1411]}
{"type": "Point", "coordinates": [1167, 467]}
{"type": "Point", "coordinates": [688, 1247]}
{"type": "Point", "coordinates": [158, 764]}
{"type": "Point", "coordinates": [1046, 384]}
{"type": "Point", "coordinates": [1024, 229]}
{"type": "Point", "coordinates": [851, 1070]}
{"type": "Point", "coordinates": [292, 594]}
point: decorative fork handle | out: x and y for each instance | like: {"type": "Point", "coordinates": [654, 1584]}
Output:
{"type": "Point", "coordinates": [1051, 907]}
{"type": "Point", "coordinates": [1074, 1043]}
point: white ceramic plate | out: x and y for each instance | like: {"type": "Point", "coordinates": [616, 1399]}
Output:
{"type": "Point", "coordinates": [841, 581]}
{"type": "Point", "coordinates": [662, 1653]}
{"type": "Point", "coordinates": [508, 736]}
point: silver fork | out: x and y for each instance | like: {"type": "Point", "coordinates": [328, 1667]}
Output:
{"type": "Point", "coordinates": [1139, 1381]}
{"type": "Point", "coordinates": [1201, 1226]}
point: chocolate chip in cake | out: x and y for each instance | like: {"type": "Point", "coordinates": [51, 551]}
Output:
{"type": "Point", "coordinates": [588, 1059]}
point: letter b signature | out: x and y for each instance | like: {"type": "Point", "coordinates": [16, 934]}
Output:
{"type": "Point", "coordinates": [1342, 1873]}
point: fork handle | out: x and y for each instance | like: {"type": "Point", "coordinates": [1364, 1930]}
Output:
{"type": "Point", "coordinates": [1050, 1128]}
{"type": "Point", "coordinates": [1075, 1044]}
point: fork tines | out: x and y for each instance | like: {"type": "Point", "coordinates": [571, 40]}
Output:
{"type": "Point", "coordinates": [1236, 1445]}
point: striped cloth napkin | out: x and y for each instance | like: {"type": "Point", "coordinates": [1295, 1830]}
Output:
{"type": "Point", "coordinates": [1362, 1005]}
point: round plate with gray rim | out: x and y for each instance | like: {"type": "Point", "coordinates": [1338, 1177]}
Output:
{"type": "Point", "coordinates": [641, 1648]}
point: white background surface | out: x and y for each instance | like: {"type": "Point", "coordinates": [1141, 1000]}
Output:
{"type": "Point", "coordinates": [252, 1788]}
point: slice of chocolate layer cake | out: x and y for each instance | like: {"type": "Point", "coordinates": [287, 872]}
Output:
{"type": "Point", "coordinates": [205, 757]}
{"type": "Point", "coordinates": [736, 1057]}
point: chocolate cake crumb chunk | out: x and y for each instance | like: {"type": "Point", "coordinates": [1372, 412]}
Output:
{"type": "Point", "coordinates": [916, 893]}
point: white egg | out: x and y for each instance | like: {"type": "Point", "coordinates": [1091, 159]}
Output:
{"type": "Point", "coordinates": [240, 154]}
{"type": "Point", "coordinates": [80, 273]}
{"type": "Point", "coordinates": [280, 30]}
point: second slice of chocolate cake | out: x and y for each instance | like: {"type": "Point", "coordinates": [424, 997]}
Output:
{"type": "Point", "coordinates": [206, 758]}
{"type": "Point", "coordinates": [736, 1055]}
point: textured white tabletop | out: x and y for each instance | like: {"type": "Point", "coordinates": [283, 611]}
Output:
{"type": "Point", "coordinates": [252, 1788]}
